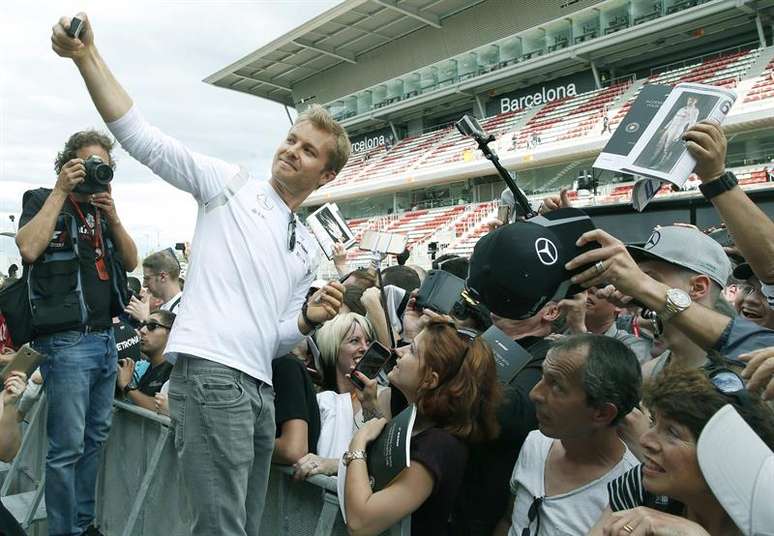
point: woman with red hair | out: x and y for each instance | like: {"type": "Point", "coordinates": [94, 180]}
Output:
{"type": "Point", "coordinates": [451, 378]}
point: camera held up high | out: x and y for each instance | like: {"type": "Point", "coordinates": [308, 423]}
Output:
{"type": "Point", "coordinates": [98, 176]}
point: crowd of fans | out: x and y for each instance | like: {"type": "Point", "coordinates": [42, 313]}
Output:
{"type": "Point", "coordinates": [643, 407]}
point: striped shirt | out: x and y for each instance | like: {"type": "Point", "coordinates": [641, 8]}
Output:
{"type": "Point", "coordinates": [627, 492]}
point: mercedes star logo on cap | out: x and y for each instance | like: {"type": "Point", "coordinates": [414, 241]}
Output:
{"type": "Point", "coordinates": [546, 251]}
{"type": "Point", "coordinates": [653, 240]}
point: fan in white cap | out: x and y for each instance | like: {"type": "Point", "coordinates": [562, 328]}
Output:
{"type": "Point", "coordinates": [739, 468]}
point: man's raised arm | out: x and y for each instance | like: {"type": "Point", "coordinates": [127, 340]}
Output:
{"type": "Point", "coordinates": [202, 176]}
{"type": "Point", "coordinates": [750, 227]}
{"type": "Point", "coordinates": [109, 96]}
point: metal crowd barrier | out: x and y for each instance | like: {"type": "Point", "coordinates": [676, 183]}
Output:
{"type": "Point", "coordinates": [138, 488]}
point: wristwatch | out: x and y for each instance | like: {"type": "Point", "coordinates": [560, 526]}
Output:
{"type": "Point", "coordinates": [351, 455]}
{"type": "Point", "coordinates": [129, 387]}
{"type": "Point", "coordinates": [309, 322]}
{"type": "Point", "coordinates": [717, 186]}
{"type": "Point", "coordinates": [677, 301]}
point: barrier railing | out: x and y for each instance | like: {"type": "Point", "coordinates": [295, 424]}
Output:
{"type": "Point", "coordinates": [139, 492]}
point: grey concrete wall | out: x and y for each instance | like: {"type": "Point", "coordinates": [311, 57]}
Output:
{"type": "Point", "coordinates": [479, 25]}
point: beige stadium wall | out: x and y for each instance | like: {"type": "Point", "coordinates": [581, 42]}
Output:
{"type": "Point", "coordinates": [479, 25]}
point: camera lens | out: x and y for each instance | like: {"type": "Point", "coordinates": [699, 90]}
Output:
{"type": "Point", "coordinates": [103, 174]}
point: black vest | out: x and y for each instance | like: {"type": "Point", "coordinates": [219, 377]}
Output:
{"type": "Point", "coordinates": [55, 283]}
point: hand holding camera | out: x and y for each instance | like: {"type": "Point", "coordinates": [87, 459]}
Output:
{"type": "Point", "coordinates": [72, 38]}
{"type": "Point", "coordinates": [88, 176]}
{"type": "Point", "coordinates": [104, 202]}
{"type": "Point", "coordinates": [73, 173]}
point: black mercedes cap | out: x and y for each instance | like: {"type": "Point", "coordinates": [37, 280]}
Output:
{"type": "Point", "coordinates": [518, 268]}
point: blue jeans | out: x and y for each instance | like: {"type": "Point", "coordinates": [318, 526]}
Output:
{"type": "Point", "coordinates": [79, 376]}
{"type": "Point", "coordinates": [224, 437]}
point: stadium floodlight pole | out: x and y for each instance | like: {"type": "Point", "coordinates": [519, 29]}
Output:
{"type": "Point", "coordinates": [469, 126]}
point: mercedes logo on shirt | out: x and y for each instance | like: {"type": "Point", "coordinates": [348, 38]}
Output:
{"type": "Point", "coordinates": [653, 240]}
{"type": "Point", "coordinates": [264, 202]}
{"type": "Point", "coordinates": [546, 251]}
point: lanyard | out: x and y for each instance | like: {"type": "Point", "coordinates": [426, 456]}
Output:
{"type": "Point", "coordinates": [96, 239]}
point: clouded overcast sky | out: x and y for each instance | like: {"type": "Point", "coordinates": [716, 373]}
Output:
{"type": "Point", "coordinates": [160, 51]}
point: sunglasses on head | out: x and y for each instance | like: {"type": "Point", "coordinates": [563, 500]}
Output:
{"type": "Point", "coordinates": [730, 384]}
{"type": "Point", "coordinates": [151, 325]}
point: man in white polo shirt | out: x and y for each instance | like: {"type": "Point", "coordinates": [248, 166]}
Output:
{"type": "Point", "coordinates": [251, 267]}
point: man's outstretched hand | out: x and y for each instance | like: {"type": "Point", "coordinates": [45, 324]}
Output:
{"type": "Point", "coordinates": [69, 47]}
{"type": "Point", "coordinates": [326, 302]}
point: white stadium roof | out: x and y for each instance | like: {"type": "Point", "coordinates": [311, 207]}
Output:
{"type": "Point", "coordinates": [341, 34]}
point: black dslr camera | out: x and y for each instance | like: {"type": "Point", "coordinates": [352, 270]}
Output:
{"type": "Point", "coordinates": [468, 308]}
{"type": "Point", "coordinates": [98, 176]}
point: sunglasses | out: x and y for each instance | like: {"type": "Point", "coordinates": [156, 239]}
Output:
{"type": "Point", "coordinates": [467, 336]}
{"type": "Point", "coordinates": [532, 514]}
{"type": "Point", "coordinates": [730, 384]}
{"type": "Point", "coordinates": [292, 232]}
{"type": "Point", "coordinates": [151, 325]}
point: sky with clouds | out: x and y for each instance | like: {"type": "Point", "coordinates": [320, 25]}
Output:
{"type": "Point", "coordinates": [160, 51]}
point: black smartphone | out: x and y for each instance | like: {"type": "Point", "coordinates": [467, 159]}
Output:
{"type": "Point", "coordinates": [76, 25]}
{"type": "Point", "coordinates": [440, 291]}
{"type": "Point", "coordinates": [370, 364]}
{"type": "Point", "coordinates": [180, 246]}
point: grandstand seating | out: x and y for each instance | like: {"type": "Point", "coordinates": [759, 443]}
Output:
{"type": "Point", "coordinates": [569, 118]}
{"type": "Point", "coordinates": [748, 177]}
{"type": "Point", "coordinates": [724, 70]}
{"type": "Point", "coordinates": [384, 163]}
{"type": "Point", "coordinates": [763, 88]}
{"type": "Point", "coordinates": [416, 225]}
{"type": "Point", "coordinates": [566, 119]}
{"type": "Point", "coordinates": [455, 147]}
{"type": "Point", "coordinates": [467, 223]}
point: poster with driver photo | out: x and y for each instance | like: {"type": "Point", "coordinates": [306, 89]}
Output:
{"type": "Point", "coordinates": [329, 227]}
{"type": "Point", "coordinates": [648, 142]}
{"type": "Point", "coordinates": [666, 146]}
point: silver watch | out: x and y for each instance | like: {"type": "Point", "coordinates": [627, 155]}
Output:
{"type": "Point", "coordinates": [677, 301]}
{"type": "Point", "coordinates": [352, 455]}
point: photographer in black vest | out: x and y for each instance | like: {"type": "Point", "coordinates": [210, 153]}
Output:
{"type": "Point", "coordinates": [76, 254]}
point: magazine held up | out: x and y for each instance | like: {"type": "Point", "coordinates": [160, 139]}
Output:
{"type": "Point", "coordinates": [648, 143]}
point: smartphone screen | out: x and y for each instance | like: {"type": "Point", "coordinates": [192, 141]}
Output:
{"type": "Point", "coordinates": [383, 242]}
{"type": "Point", "coordinates": [371, 362]}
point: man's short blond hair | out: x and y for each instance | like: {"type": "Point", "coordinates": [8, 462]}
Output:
{"type": "Point", "coordinates": [322, 119]}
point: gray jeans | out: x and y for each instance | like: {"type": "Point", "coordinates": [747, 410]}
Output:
{"type": "Point", "coordinates": [224, 436]}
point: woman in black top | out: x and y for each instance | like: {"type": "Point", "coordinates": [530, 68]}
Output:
{"type": "Point", "coordinates": [295, 410]}
{"type": "Point", "coordinates": [452, 379]}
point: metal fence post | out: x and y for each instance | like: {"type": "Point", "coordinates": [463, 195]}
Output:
{"type": "Point", "coordinates": [147, 480]}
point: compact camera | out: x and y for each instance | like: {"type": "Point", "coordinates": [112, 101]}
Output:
{"type": "Point", "coordinates": [98, 176]}
{"type": "Point", "coordinates": [440, 291]}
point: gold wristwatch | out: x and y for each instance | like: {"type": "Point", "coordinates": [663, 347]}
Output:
{"type": "Point", "coordinates": [351, 455]}
{"type": "Point", "coordinates": [677, 301]}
